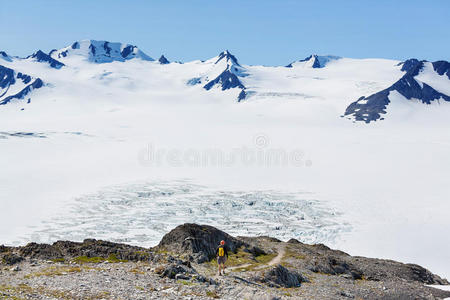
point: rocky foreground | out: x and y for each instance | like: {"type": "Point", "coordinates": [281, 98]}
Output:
{"type": "Point", "coordinates": [182, 266]}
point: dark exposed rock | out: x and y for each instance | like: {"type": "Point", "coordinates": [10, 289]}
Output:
{"type": "Point", "coordinates": [42, 251]}
{"type": "Point", "coordinates": [40, 56]}
{"type": "Point", "coordinates": [89, 248]}
{"type": "Point", "coordinates": [371, 108]}
{"type": "Point", "coordinates": [280, 276]}
{"type": "Point", "coordinates": [182, 277]}
{"type": "Point", "coordinates": [409, 64]}
{"type": "Point", "coordinates": [293, 241]}
{"type": "Point", "coordinates": [199, 241]}
{"type": "Point", "coordinates": [226, 80]}
{"type": "Point", "coordinates": [228, 57]}
{"type": "Point", "coordinates": [442, 67]}
{"type": "Point", "coordinates": [11, 258]}
{"type": "Point", "coordinates": [9, 77]}
{"type": "Point", "coordinates": [204, 279]}
{"type": "Point", "coordinates": [315, 64]}
{"type": "Point", "coordinates": [171, 271]}
{"type": "Point", "coordinates": [194, 81]}
{"type": "Point", "coordinates": [242, 95]}
{"type": "Point", "coordinates": [379, 270]}
{"type": "Point", "coordinates": [334, 266]}
{"type": "Point", "coordinates": [317, 60]}
{"type": "Point", "coordinates": [229, 77]}
{"type": "Point", "coordinates": [254, 250]}
{"type": "Point", "coordinates": [321, 259]}
{"type": "Point", "coordinates": [5, 56]}
{"type": "Point", "coordinates": [163, 60]}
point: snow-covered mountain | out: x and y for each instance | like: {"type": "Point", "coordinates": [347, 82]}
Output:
{"type": "Point", "coordinates": [338, 80]}
{"type": "Point", "coordinates": [163, 60]}
{"type": "Point", "coordinates": [40, 56]}
{"type": "Point", "coordinates": [225, 73]}
{"type": "Point", "coordinates": [313, 61]}
{"type": "Point", "coordinates": [5, 56]}
{"type": "Point", "coordinates": [99, 52]}
{"type": "Point", "coordinates": [423, 81]}
{"type": "Point", "coordinates": [16, 85]}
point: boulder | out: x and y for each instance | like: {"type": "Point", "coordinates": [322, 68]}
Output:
{"type": "Point", "coordinates": [280, 276]}
{"type": "Point", "coordinates": [294, 241]}
{"type": "Point", "coordinates": [11, 259]}
{"type": "Point", "coordinates": [199, 241]}
{"type": "Point", "coordinates": [174, 271]}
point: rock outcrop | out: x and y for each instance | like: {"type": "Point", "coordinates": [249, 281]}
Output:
{"type": "Point", "coordinates": [69, 250]}
{"type": "Point", "coordinates": [280, 276]}
{"type": "Point", "coordinates": [259, 268]}
{"type": "Point", "coordinates": [198, 241]}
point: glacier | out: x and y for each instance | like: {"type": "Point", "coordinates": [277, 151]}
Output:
{"type": "Point", "coordinates": [69, 151]}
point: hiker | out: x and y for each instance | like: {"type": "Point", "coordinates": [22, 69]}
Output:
{"type": "Point", "coordinates": [222, 255]}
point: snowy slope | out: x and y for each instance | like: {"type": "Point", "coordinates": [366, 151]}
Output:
{"type": "Point", "coordinates": [224, 73]}
{"type": "Point", "coordinates": [423, 81]}
{"type": "Point", "coordinates": [99, 52]}
{"type": "Point", "coordinates": [120, 148]}
{"type": "Point", "coordinates": [16, 85]}
{"type": "Point", "coordinates": [40, 56]}
{"type": "Point", "coordinates": [4, 56]}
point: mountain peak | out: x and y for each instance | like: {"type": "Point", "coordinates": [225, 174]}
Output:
{"type": "Point", "coordinates": [410, 86]}
{"type": "Point", "coordinates": [41, 56]}
{"type": "Point", "coordinates": [314, 61]}
{"type": "Point", "coordinates": [16, 85]}
{"type": "Point", "coordinates": [228, 57]}
{"type": "Point", "coordinates": [100, 51]}
{"type": "Point", "coordinates": [163, 60]}
{"type": "Point", "coordinates": [5, 56]}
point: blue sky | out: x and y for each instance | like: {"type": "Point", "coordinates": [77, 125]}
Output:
{"type": "Point", "coordinates": [257, 32]}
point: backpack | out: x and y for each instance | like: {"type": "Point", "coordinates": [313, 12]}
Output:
{"type": "Point", "coordinates": [221, 251]}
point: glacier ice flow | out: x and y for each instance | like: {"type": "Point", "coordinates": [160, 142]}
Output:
{"type": "Point", "coordinates": [142, 213]}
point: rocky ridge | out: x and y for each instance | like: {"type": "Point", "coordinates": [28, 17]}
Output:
{"type": "Point", "coordinates": [182, 266]}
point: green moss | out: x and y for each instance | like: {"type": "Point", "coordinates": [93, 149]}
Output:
{"type": "Point", "coordinates": [84, 259]}
{"type": "Point", "coordinates": [186, 282]}
{"type": "Point", "coordinates": [56, 260]}
{"type": "Point", "coordinates": [142, 253]}
{"type": "Point", "coordinates": [112, 258]}
{"type": "Point", "coordinates": [212, 294]}
{"type": "Point", "coordinates": [265, 258]}
{"type": "Point", "coordinates": [293, 253]}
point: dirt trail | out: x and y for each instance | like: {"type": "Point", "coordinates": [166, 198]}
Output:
{"type": "Point", "coordinates": [276, 260]}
